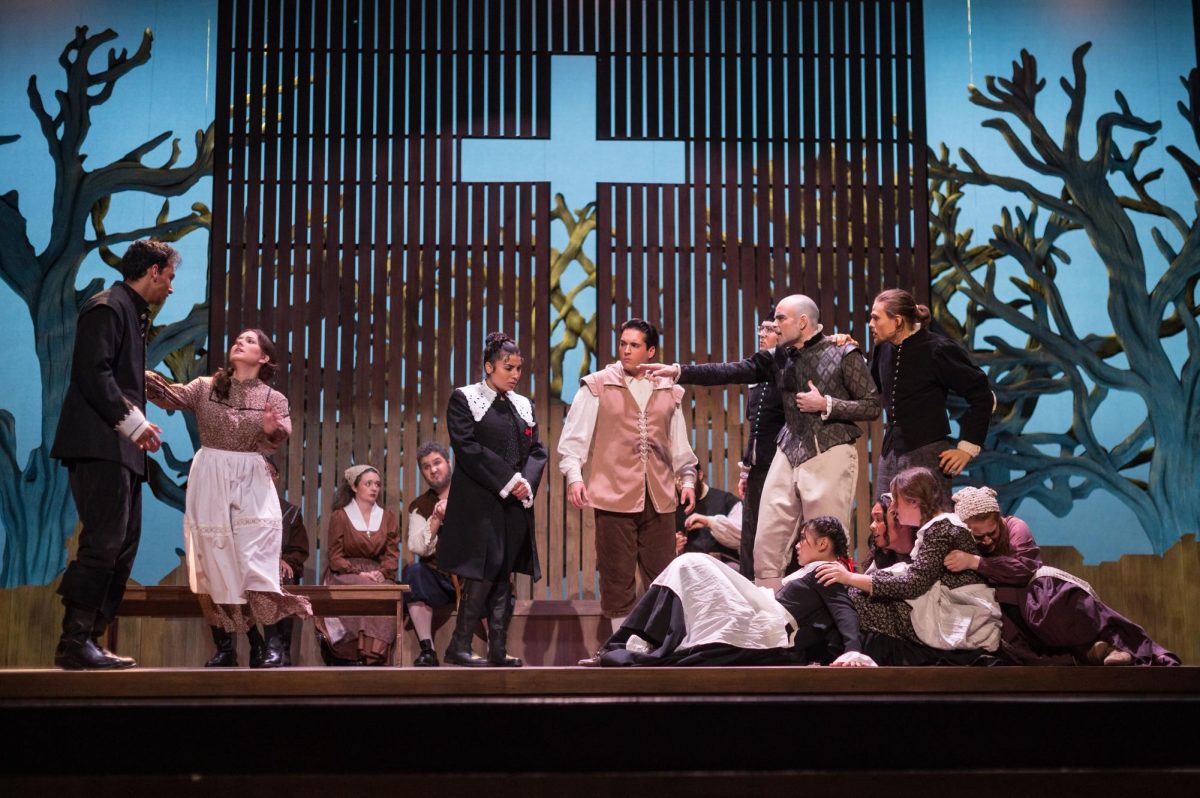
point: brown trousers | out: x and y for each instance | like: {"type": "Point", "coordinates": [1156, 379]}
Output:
{"type": "Point", "coordinates": [625, 544]}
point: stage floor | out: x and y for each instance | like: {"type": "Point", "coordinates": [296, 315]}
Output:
{"type": "Point", "coordinates": [531, 683]}
{"type": "Point", "coordinates": [644, 728]}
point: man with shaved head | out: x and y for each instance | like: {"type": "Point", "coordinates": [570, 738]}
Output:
{"type": "Point", "coordinates": [826, 387]}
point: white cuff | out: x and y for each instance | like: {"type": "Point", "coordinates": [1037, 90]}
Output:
{"type": "Point", "coordinates": [512, 483]}
{"type": "Point", "coordinates": [134, 424]}
{"type": "Point", "coordinates": [855, 658]}
{"type": "Point", "coordinates": [828, 407]}
{"type": "Point", "coordinates": [574, 474]}
{"type": "Point", "coordinates": [527, 502]}
{"type": "Point", "coordinates": [970, 448]}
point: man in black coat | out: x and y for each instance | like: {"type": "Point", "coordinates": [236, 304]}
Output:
{"type": "Point", "coordinates": [103, 436]}
{"type": "Point", "coordinates": [764, 416]}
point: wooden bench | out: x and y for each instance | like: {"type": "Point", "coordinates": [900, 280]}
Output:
{"type": "Point", "coordinates": [542, 632]}
{"type": "Point", "coordinates": [178, 601]}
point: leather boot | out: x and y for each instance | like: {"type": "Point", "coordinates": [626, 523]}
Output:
{"type": "Point", "coordinates": [98, 627]}
{"type": "Point", "coordinates": [285, 627]}
{"type": "Point", "coordinates": [499, 613]}
{"type": "Point", "coordinates": [471, 608]}
{"type": "Point", "coordinates": [226, 656]}
{"type": "Point", "coordinates": [261, 654]}
{"type": "Point", "coordinates": [275, 644]}
{"type": "Point", "coordinates": [428, 657]}
{"type": "Point", "coordinates": [76, 650]}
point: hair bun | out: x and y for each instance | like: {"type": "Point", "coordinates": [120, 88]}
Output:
{"type": "Point", "coordinates": [496, 339]}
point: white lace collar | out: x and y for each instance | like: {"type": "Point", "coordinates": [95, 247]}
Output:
{"type": "Point", "coordinates": [480, 397]}
{"type": "Point", "coordinates": [358, 522]}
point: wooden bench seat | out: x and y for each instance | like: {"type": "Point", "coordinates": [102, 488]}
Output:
{"type": "Point", "coordinates": [178, 601]}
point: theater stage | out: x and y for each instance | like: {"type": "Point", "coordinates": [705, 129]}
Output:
{"type": "Point", "coordinates": [578, 731]}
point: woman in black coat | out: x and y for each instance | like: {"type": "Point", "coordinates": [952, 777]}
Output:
{"type": "Point", "coordinates": [488, 532]}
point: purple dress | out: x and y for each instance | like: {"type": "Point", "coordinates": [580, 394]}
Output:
{"type": "Point", "coordinates": [1050, 621]}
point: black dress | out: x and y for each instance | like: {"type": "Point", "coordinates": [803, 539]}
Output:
{"type": "Point", "coordinates": [494, 436]}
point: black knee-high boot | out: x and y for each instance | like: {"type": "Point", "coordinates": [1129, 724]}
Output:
{"type": "Point", "coordinates": [500, 609]}
{"type": "Point", "coordinates": [471, 608]}
{"type": "Point", "coordinates": [284, 630]}
{"type": "Point", "coordinates": [226, 656]}
{"type": "Point", "coordinates": [261, 654]}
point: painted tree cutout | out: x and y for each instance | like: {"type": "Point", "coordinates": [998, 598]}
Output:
{"type": "Point", "coordinates": [1056, 359]}
{"type": "Point", "coordinates": [35, 503]}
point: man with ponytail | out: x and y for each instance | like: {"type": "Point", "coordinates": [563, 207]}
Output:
{"type": "Point", "coordinates": [915, 367]}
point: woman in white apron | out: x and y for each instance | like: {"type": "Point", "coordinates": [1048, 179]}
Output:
{"type": "Point", "coordinates": [232, 522]}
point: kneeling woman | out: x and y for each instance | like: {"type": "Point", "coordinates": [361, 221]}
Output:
{"type": "Point", "coordinates": [700, 611]}
{"type": "Point", "coordinates": [923, 613]}
{"type": "Point", "coordinates": [1050, 616]}
{"type": "Point", "coordinates": [488, 531]}
{"type": "Point", "coordinates": [363, 549]}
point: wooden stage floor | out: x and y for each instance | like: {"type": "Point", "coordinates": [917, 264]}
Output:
{"type": "Point", "coordinates": [599, 729]}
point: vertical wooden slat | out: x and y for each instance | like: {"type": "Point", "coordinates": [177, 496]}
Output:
{"type": "Point", "coordinates": [573, 21]}
{"type": "Point", "coordinates": [920, 178]}
{"type": "Point", "coordinates": [379, 185]}
{"type": "Point", "coordinates": [840, 159]}
{"type": "Point", "coordinates": [887, 128]}
{"type": "Point", "coordinates": [874, 203]}
{"type": "Point", "coordinates": [397, 329]}
{"type": "Point", "coordinates": [317, 263]}
{"type": "Point", "coordinates": [269, 131]}
{"type": "Point", "coordinates": [904, 154]}
{"type": "Point", "coordinates": [526, 76]}
{"type": "Point", "coordinates": [294, 178]}
{"type": "Point", "coordinates": [855, 205]}
{"type": "Point", "coordinates": [797, 197]}
{"type": "Point", "coordinates": [253, 229]}
{"type": "Point", "coordinates": [825, 155]}
{"type": "Point", "coordinates": [239, 163]}
{"type": "Point", "coordinates": [220, 256]}
{"type": "Point", "coordinates": [364, 365]}
{"type": "Point", "coordinates": [605, 62]}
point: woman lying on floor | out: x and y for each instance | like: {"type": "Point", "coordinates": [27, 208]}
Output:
{"type": "Point", "coordinates": [1050, 617]}
{"type": "Point", "coordinates": [702, 612]}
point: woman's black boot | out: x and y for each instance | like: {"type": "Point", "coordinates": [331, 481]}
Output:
{"type": "Point", "coordinates": [226, 656]}
{"type": "Point", "coordinates": [500, 613]}
{"type": "Point", "coordinates": [261, 654]}
{"type": "Point", "coordinates": [471, 608]}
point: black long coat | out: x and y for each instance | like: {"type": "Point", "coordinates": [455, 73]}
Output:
{"type": "Point", "coordinates": [484, 536]}
{"type": "Point", "coordinates": [108, 376]}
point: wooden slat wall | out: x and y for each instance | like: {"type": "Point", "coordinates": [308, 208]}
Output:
{"type": "Point", "coordinates": [341, 228]}
{"type": "Point", "coordinates": [799, 181]}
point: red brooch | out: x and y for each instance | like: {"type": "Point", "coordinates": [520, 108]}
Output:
{"type": "Point", "coordinates": [529, 432]}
